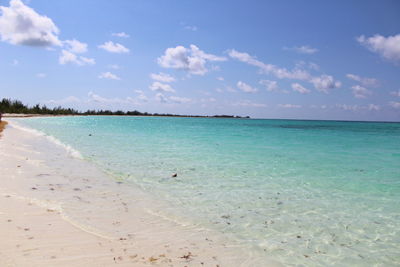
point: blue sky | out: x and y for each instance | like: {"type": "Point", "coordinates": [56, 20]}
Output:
{"type": "Point", "coordinates": [265, 59]}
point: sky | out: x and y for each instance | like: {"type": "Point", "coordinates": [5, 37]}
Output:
{"type": "Point", "coordinates": [326, 60]}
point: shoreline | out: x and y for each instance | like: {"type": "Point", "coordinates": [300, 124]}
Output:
{"type": "Point", "coordinates": [59, 210]}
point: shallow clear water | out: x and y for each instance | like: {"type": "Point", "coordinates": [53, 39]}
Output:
{"type": "Point", "coordinates": [305, 192]}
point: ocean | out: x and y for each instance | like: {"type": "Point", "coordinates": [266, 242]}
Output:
{"type": "Point", "coordinates": [305, 193]}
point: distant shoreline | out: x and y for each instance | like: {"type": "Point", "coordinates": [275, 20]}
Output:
{"type": "Point", "coordinates": [23, 115]}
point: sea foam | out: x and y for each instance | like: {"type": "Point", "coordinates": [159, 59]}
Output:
{"type": "Point", "coordinates": [69, 149]}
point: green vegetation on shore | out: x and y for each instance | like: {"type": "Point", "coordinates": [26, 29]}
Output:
{"type": "Point", "coordinates": [17, 107]}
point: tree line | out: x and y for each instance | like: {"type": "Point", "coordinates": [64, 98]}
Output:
{"type": "Point", "coordinates": [17, 107]}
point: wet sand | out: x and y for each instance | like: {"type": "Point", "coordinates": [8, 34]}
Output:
{"type": "Point", "coordinates": [58, 210]}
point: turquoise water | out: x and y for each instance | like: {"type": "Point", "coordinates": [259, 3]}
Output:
{"type": "Point", "coordinates": [311, 193]}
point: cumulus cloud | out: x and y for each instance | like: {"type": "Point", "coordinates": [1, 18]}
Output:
{"type": "Point", "coordinates": [21, 25]}
{"type": "Point", "coordinates": [67, 100]}
{"type": "Point", "coordinates": [269, 68]}
{"type": "Point", "coordinates": [348, 107]}
{"type": "Point", "coordinates": [249, 103]}
{"type": "Point", "coordinates": [87, 61]}
{"type": "Point", "coordinates": [190, 28]}
{"type": "Point", "coordinates": [41, 75]}
{"type": "Point", "coordinates": [114, 47]}
{"type": "Point", "coordinates": [387, 47]}
{"type": "Point", "coordinates": [114, 66]}
{"type": "Point", "coordinates": [162, 77]}
{"type": "Point", "coordinates": [112, 101]}
{"type": "Point", "coordinates": [374, 107]}
{"type": "Point", "coordinates": [161, 98]}
{"type": "Point", "coordinates": [369, 82]}
{"type": "Point", "coordinates": [220, 78]}
{"type": "Point", "coordinates": [289, 106]}
{"type": "Point", "coordinates": [360, 92]}
{"type": "Point", "coordinates": [157, 86]}
{"type": "Point", "coordinates": [322, 83]}
{"type": "Point", "coordinates": [394, 104]}
{"type": "Point", "coordinates": [300, 89]}
{"type": "Point", "coordinates": [270, 85]}
{"type": "Point", "coordinates": [75, 46]}
{"type": "Point", "coordinates": [141, 96]}
{"type": "Point", "coordinates": [69, 57]}
{"type": "Point", "coordinates": [109, 75]}
{"type": "Point", "coordinates": [180, 100]}
{"type": "Point", "coordinates": [304, 49]}
{"type": "Point", "coordinates": [246, 88]}
{"type": "Point", "coordinates": [190, 59]}
{"type": "Point", "coordinates": [394, 93]}
{"type": "Point", "coordinates": [121, 34]}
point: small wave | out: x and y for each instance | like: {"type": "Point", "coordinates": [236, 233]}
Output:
{"type": "Point", "coordinates": [51, 205]}
{"type": "Point", "coordinates": [70, 150]}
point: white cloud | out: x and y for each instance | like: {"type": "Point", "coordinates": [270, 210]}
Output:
{"type": "Point", "coordinates": [190, 28]}
{"type": "Point", "coordinates": [394, 104]}
{"type": "Point", "coordinates": [161, 98]}
{"type": "Point", "coordinates": [360, 92]}
{"type": "Point", "coordinates": [112, 101]}
{"type": "Point", "coordinates": [15, 62]}
{"type": "Point", "coordinates": [369, 82]}
{"type": "Point", "coordinates": [21, 25]}
{"type": "Point", "coordinates": [75, 46]}
{"type": "Point", "coordinates": [248, 103]}
{"type": "Point", "coordinates": [270, 85]}
{"type": "Point", "coordinates": [394, 93]}
{"type": "Point", "coordinates": [121, 34]}
{"type": "Point", "coordinates": [313, 66]}
{"type": "Point", "coordinates": [246, 88]}
{"type": "Point", "coordinates": [67, 100]}
{"type": "Point", "coordinates": [69, 57]}
{"type": "Point", "coordinates": [114, 47]}
{"type": "Point", "coordinates": [157, 86]}
{"type": "Point", "coordinates": [309, 65]}
{"type": "Point", "coordinates": [208, 100]}
{"type": "Point", "coordinates": [180, 100]}
{"type": "Point", "coordinates": [374, 107]}
{"type": "Point", "coordinates": [109, 75]}
{"type": "Point", "coordinates": [141, 96]}
{"type": "Point", "coordinates": [387, 47]}
{"type": "Point", "coordinates": [348, 107]}
{"type": "Point", "coordinates": [299, 88]}
{"type": "Point", "coordinates": [162, 77]}
{"type": "Point", "coordinates": [114, 66]}
{"type": "Point", "coordinates": [304, 49]}
{"type": "Point", "coordinates": [269, 68]}
{"type": "Point", "coordinates": [324, 83]}
{"type": "Point", "coordinates": [87, 61]}
{"type": "Point", "coordinates": [289, 106]}
{"type": "Point", "coordinates": [190, 59]}
{"type": "Point", "coordinates": [220, 78]}
{"type": "Point", "coordinates": [41, 75]}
